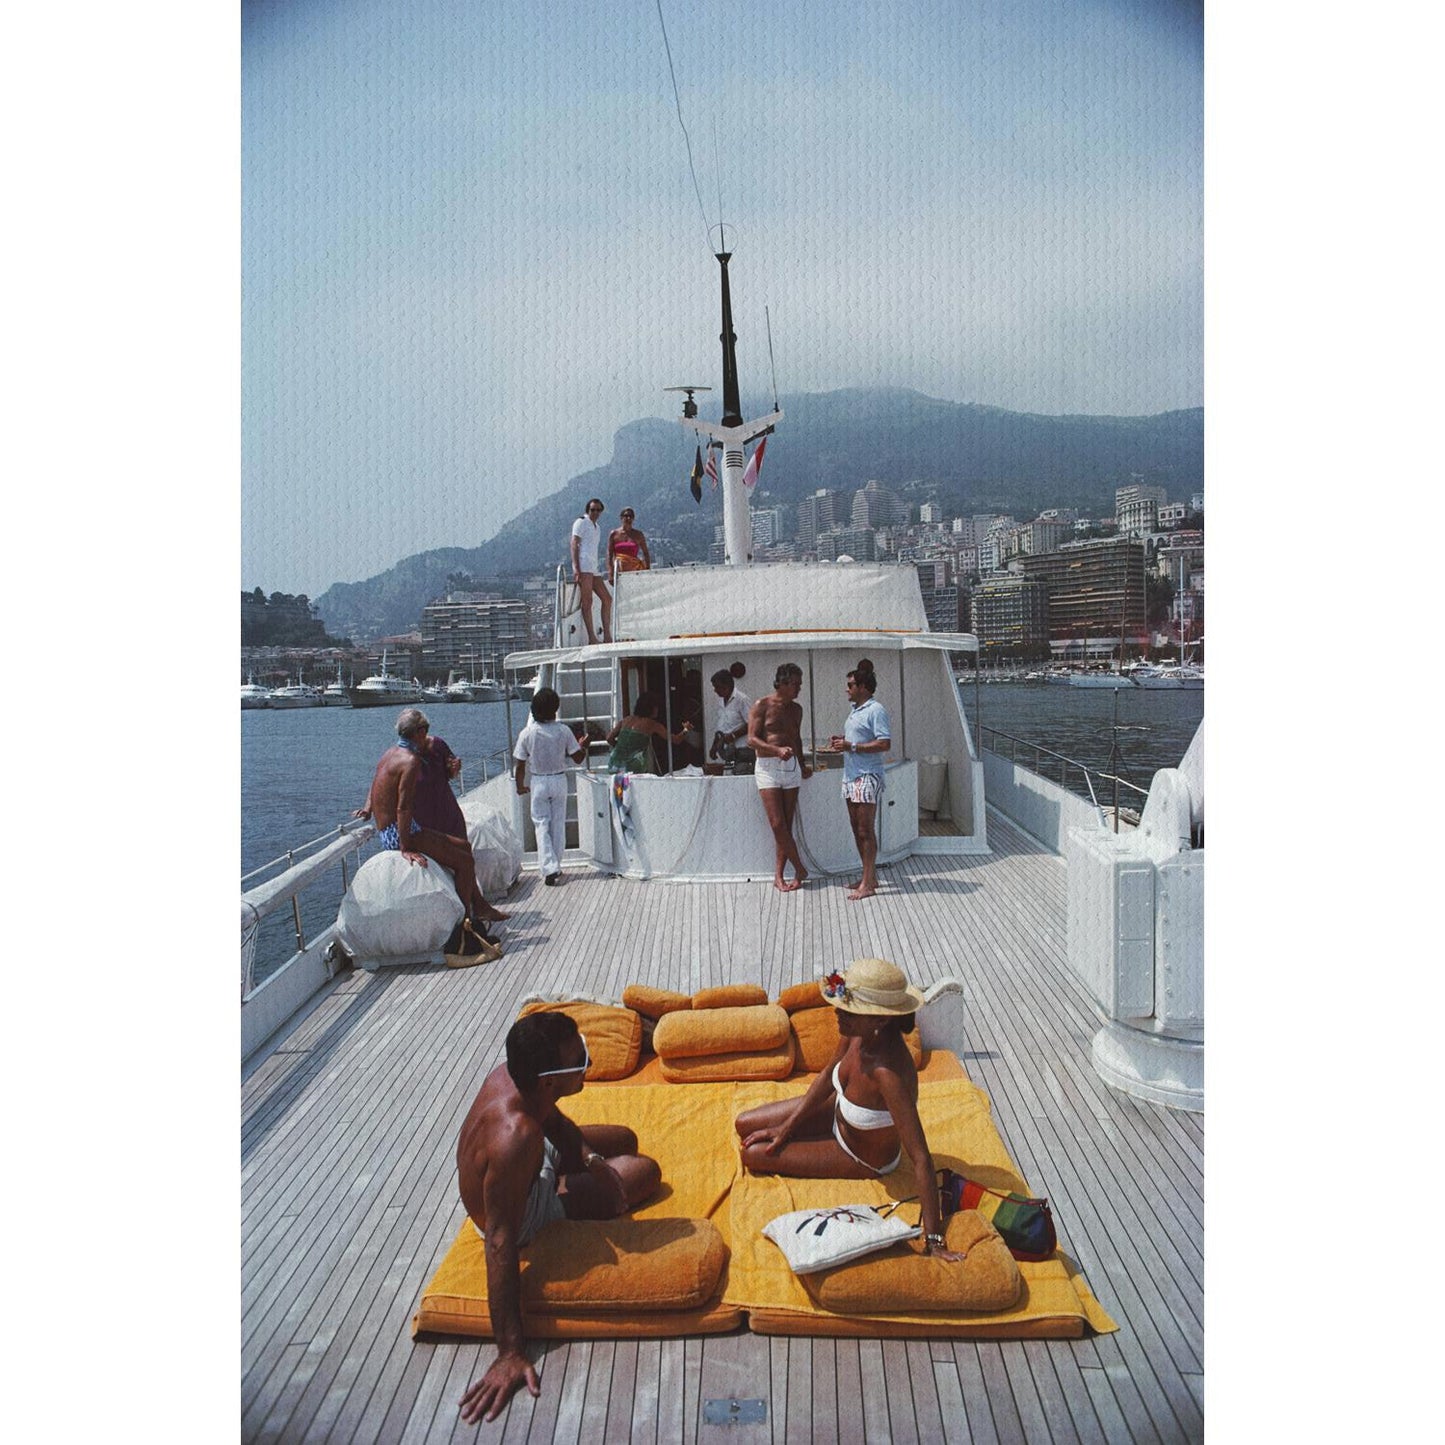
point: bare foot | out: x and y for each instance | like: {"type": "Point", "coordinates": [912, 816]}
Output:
{"type": "Point", "coordinates": [854, 894]}
{"type": "Point", "coordinates": [785, 885]}
{"type": "Point", "coordinates": [492, 915]}
{"type": "Point", "coordinates": [800, 875]}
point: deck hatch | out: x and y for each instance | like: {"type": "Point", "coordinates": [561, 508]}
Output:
{"type": "Point", "coordinates": [734, 1412]}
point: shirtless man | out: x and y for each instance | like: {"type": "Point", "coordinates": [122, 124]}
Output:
{"type": "Point", "coordinates": [389, 804]}
{"type": "Point", "coordinates": [775, 736]}
{"type": "Point", "coordinates": [521, 1164]}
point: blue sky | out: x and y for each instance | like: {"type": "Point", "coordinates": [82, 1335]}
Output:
{"type": "Point", "coordinates": [472, 249]}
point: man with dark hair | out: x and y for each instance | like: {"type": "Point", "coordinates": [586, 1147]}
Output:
{"type": "Point", "coordinates": [541, 756]}
{"type": "Point", "coordinates": [391, 803]}
{"type": "Point", "coordinates": [586, 545]}
{"type": "Point", "coordinates": [775, 735]}
{"type": "Point", "coordinates": [732, 716]}
{"type": "Point", "coordinates": [521, 1165]}
{"type": "Point", "coordinates": [864, 741]}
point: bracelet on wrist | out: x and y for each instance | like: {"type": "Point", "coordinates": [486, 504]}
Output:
{"type": "Point", "coordinates": [934, 1240]}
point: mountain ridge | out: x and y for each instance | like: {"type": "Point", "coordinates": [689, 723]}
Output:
{"type": "Point", "coordinates": [970, 456]}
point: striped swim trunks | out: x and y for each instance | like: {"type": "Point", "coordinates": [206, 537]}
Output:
{"type": "Point", "coordinates": [865, 788]}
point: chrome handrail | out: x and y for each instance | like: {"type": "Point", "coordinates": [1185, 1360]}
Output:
{"type": "Point", "coordinates": [272, 896]}
{"type": "Point", "coordinates": [1065, 763]}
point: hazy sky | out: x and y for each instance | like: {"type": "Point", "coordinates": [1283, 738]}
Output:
{"type": "Point", "coordinates": [472, 248]}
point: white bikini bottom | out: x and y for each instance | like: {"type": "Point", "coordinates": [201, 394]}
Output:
{"type": "Point", "coordinates": [886, 1169]}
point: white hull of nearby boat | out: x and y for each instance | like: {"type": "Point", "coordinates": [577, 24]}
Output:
{"type": "Point", "coordinates": [295, 696]}
{"type": "Point", "coordinates": [384, 692]}
{"type": "Point", "coordinates": [253, 697]}
{"type": "Point", "coordinates": [486, 689]}
{"type": "Point", "coordinates": [1189, 679]}
{"type": "Point", "coordinates": [335, 696]}
{"type": "Point", "coordinates": [1098, 679]}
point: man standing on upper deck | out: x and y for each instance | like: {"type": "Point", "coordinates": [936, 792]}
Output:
{"type": "Point", "coordinates": [587, 569]}
{"type": "Point", "coordinates": [775, 735]}
{"type": "Point", "coordinates": [863, 742]}
{"type": "Point", "coordinates": [522, 1164]}
{"type": "Point", "coordinates": [391, 805]}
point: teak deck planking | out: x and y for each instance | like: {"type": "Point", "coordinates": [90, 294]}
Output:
{"type": "Point", "coordinates": [349, 1197]}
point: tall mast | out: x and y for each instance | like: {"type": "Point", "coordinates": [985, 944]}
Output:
{"type": "Point", "coordinates": [733, 432]}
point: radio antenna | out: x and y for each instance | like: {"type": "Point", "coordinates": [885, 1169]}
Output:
{"type": "Point", "coordinates": [771, 367]}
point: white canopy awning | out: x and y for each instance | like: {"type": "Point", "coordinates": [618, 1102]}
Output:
{"type": "Point", "coordinates": [691, 645]}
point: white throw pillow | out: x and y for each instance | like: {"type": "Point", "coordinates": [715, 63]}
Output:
{"type": "Point", "coordinates": [814, 1239]}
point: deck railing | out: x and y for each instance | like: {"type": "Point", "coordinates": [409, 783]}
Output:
{"type": "Point", "coordinates": [1038, 753]}
{"type": "Point", "coordinates": [303, 866]}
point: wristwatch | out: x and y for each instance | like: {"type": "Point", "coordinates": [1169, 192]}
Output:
{"type": "Point", "coordinates": [588, 1157]}
{"type": "Point", "coordinates": [934, 1240]}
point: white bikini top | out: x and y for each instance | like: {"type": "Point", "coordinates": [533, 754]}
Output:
{"type": "Point", "coordinates": [855, 1115]}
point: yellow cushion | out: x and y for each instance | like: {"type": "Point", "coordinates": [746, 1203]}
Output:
{"type": "Point", "coordinates": [612, 1279]}
{"type": "Point", "coordinates": [802, 996]}
{"type": "Point", "coordinates": [720, 1031]}
{"type": "Point", "coordinates": [816, 1031]}
{"type": "Point", "coordinates": [735, 1068]}
{"type": "Point", "coordinates": [614, 1035]}
{"type": "Point", "coordinates": [901, 1280]}
{"type": "Point", "coordinates": [622, 1264]}
{"type": "Point", "coordinates": [730, 995]}
{"type": "Point", "coordinates": [652, 1003]}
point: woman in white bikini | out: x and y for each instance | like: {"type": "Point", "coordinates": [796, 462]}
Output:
{"type": "Point", "coordinates": [860, 1116]}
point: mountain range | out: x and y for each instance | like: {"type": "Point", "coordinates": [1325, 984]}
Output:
{"type": "Point", "coordinates": [970, 458]}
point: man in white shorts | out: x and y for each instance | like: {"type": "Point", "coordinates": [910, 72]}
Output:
{"type": "Point", "coordinates": [864, 742]}
{"type": "Point", "coordinates": [587, 570]}
{"type": "Point", "coordinates": [775, 736]}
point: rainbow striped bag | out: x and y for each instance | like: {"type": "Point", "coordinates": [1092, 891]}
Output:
{"type": "Point", "coordinates": [1026, 1224]}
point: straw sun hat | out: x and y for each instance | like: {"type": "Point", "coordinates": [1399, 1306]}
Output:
{"type": "Point", "coordinates": [872, 986]}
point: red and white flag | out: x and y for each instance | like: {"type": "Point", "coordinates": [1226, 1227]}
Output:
{"type": "Point", "coordinates": [755, 465]}
{"type": "Point", "coordinates": [711, 468]}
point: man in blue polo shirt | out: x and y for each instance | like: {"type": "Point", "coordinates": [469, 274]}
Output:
{"type": "Point", "coordinates": [864, 743]}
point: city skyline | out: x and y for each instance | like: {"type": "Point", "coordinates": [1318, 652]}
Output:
{"type": "Point", "coordinates": [448, 218]}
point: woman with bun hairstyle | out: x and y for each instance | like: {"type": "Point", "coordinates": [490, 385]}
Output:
{"type": "Point", "coordinates": [860, 1115]}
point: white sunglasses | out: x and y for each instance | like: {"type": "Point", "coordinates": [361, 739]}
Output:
{"type": "Point", "coordinates": [574, 1068]}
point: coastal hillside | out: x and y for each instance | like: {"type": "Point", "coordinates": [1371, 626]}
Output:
{"type": "Point", "coordinates": [970, 458]}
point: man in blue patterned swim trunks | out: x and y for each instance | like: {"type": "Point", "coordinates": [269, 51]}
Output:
{"type": "Point", "coordinates": [863, 742]}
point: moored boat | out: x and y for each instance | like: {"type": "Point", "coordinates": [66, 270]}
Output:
{"type": "Point", "coordinates": [296, 694]}
{"type": "Point", "coordinates": [382, 689]}
{"type": "Point", "coordinates": [253, 695]}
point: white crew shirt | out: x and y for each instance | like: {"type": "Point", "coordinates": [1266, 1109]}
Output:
{"type": "Point", "coordinates": [590, 534]}
{"type": "Point", "coordinates": [545, 748]}
{"type": "Point", "coordinates": [733, 714]}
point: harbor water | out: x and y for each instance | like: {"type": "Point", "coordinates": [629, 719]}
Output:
{"type": "Point", "coordinates": [303, 771]}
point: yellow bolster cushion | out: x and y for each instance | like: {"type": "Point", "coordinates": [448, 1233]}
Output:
{"type": "Point", "coordinates": [614, 1035]}
{"type": "Point", "coordinates": [720, 1031]}
{"type": "Point", "coordinates": [731, 995]}
{"type": "Point", "coordinates": [617, 1265]}
{"type": "Point", "coordinates": [653, 1003]}
{"type": "Point", "coordinates": [730, 1068]}
{"type": "Point", "coordinates": [803, 996]}
{"type": "Point", "coordinates": [816, 1031]}
{"type": "Point", "coordinates": [902, 1281]}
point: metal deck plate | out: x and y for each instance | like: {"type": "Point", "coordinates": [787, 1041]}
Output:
{"type": "Point", "coordinates": [734, 1412]}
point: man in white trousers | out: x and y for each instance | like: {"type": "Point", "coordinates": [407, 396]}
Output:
{"type": "Point", "coordinates": [541, 754]}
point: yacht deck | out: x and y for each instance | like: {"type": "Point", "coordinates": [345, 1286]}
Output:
{"type": "Point", "coordinates": [349, 1193]}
